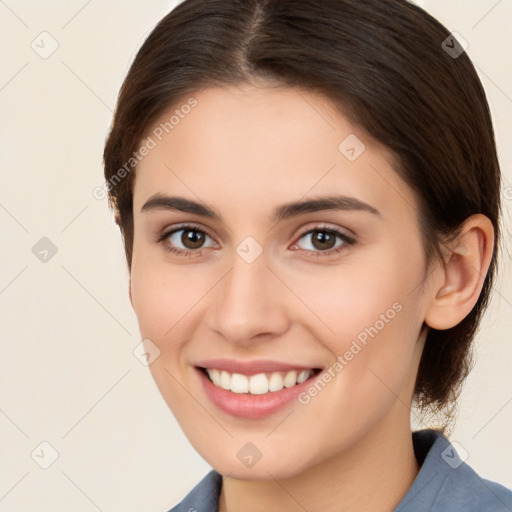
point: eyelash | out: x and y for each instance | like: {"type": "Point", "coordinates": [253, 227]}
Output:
{"type": "Point", "coordinates": [163, 239]}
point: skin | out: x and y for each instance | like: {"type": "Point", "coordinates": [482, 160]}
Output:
{"type": "Point", "coordinates": [243, 152]}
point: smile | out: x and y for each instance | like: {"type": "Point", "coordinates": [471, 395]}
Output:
{"type": "Point", "coordinates": [253, 390]}
{"type": "Point", "coordinates": [258, 384]}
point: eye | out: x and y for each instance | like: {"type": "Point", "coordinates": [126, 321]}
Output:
{"type": "Point", "coordinates": [324, 241]}
{"type": "Point", "coordinates": [186, 240]}
{"type": "Point", "coordinates": [189, 240]}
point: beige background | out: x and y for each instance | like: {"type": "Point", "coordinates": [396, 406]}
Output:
{"type": "Point", "coordinates": [68, 373]}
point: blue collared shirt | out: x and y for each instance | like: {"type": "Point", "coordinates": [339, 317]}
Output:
{"type": "Point", "coordinates": [444, 484]}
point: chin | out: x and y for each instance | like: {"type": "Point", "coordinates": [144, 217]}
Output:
{"type": "Point", "coordinates": [277, 466]}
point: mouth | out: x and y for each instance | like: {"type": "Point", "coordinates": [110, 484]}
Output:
{"type": "Point", "coordinates": [260, 383]}
{"type": "Point", "coordinates": [251, 395]}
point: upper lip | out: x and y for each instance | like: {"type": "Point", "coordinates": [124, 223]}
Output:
{"type": "Point", "coordinates": [251, 367]}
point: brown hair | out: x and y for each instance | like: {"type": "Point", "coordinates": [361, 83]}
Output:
{"type": "Point", "coordinates": [389, 66]}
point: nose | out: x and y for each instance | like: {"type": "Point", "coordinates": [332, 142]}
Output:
{"type": "Point", "coordinates": [248, 303]}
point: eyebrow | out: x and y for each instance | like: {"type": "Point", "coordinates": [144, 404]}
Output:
{"type": "Point", "coordinates": [280, 213]}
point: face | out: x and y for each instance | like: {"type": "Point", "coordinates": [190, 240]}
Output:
{"type": "Point", "coordinates": [276, 274]}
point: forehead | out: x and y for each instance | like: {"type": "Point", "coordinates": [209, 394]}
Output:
{"type": "Point", "coordinates": [251, 147]}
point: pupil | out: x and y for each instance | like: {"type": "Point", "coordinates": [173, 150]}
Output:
{"type": "Point", "coordinates": [192, 239]}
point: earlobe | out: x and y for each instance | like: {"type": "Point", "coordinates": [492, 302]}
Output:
{"type": "Point", "coordinates": [462, 275]}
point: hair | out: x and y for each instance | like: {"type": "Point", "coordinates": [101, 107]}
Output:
{"type": "Point", "coordinates": [386, 65]}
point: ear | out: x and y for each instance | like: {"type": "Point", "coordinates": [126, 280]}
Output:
{"type": "Point", "coordinates": [462, 275]}
{"type": "Point", "coordinates": [117, 218]}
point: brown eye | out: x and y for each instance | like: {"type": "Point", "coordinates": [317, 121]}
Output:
{"type": "Point", "coordinates": [192, 238]}
{"type": "Point", "coordinates": [323, 240]}
{"type": "Point", "coordinates": [186, 239]}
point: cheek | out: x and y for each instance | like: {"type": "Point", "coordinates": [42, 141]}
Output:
{"type": "Point", "coordinates": [368, 315]}
{"type": "Point", "coordinates": [164, 295]}
{"type": "Point", "coordinates": [163, 300]}
{"type": "Point", "coordinates": [367, 290]}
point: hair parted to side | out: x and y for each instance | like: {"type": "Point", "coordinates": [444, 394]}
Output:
{"type": "Point", "coordinates": [382, 64]}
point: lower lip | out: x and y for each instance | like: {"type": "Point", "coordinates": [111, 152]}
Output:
{"type": "Point", "coordinates": [248, 406]}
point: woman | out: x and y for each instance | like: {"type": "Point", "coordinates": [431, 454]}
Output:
{"type": "Point", "coordinates": [308, 194]}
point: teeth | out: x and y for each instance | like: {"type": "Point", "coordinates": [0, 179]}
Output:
{"type": "Point", "coordinates": [275, 383]}
{"type": "Point", "coordinates": [215, 376]}
{"type": "Point", "coordinates": [258, 384]}
{"type": "Point", "coordinates": [290, 379]}
{"type": "Point", "coordinates": [225, 380]}
{"type": "Point", "coordinates": [239, 383]}
{"type": "Point", "coordinates": [303, 376]}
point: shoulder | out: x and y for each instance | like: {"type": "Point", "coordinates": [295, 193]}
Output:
{"type": "Point", "coordinates": [204, 497]}
{"type": "Point", "coordinates": [446, 482]}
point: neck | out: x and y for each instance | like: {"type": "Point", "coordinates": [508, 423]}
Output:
{"type": "Point", "coordinates": [373, 475]}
